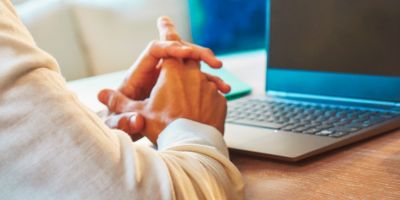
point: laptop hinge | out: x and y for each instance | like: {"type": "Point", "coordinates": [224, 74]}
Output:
{"type": "Point", "coordinates": [294, 96]}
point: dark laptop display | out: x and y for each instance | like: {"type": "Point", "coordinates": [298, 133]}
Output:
{"type": "Point", "coordinates": [337, 48]}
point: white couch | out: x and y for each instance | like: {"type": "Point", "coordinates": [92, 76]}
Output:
{"type": "Point", "coordinates": [90, 37]}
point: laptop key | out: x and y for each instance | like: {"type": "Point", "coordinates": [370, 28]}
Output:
{"type": "Point", "coordinates": [345, 129]}
{"type": "Point", "coordinates": [312, 131]}
{"type": "Point", "coordinates": [300, 129]}
{"type": "Point", "coordinates": [338, 134]}
{"type": "Point", "coordinates": [259, 124]}
{"type": "Point", "coordinates": [325, 133]}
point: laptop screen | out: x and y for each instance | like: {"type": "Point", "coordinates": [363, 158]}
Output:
{"type": "Point", "coordinates": [340, 41]}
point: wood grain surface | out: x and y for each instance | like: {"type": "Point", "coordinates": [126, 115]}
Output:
{"type": "Point", "coordinates": [369, 169]}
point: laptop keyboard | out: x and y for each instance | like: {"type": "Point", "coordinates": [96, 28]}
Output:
{"type": "Point", "coordinates": [305, 118]}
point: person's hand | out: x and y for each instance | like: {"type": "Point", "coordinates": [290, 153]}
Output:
{"type": "Point", "coordinates": [144, 73]}
{"type": "Point", "coordinates": [181, 91]}
{"type": "Point", "coordinates": [142, 76]}
{"type": "Point", "coordinates": [129, 122]}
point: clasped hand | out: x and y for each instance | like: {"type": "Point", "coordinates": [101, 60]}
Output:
{"type": "Point", "coordinates": [166, 84]}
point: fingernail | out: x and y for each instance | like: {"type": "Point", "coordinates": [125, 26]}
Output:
{"type": "Point", "coordinates": [186, 48]}
{"type": "Point", "coordinates": [103, 96]}
{"type": "Point", "coordinates": [132, 122]}
{"type": "Point", "coordinates": [139, 125]}
{"type": "Point", "coordinates": [228, 88]}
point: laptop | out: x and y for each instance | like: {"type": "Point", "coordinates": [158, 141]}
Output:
{"type": "Point", "coordinates": [333, 78]}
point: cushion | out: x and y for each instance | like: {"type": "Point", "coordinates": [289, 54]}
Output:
{"type": "Point", "coordinates": [52, 27]}
{"type": "Point", "coordinates": [115, 32]}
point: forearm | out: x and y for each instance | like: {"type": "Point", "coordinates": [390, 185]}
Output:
{"type": "Point", "coordinates": [50, 141]}
{"type": "Point", "coordinates": [53, 142]}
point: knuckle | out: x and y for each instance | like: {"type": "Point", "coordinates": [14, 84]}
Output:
{"type": "Point", "coordinates": [174, 44]}
{"type": "Point", "coordinates": [172, 36]}
{"type": "Point", "coordinates": [152, 43]}
{"type": "Point", "coordinates": [209, 51]}
{"type": "Point", "coordinates": [152, 46]}
{"type": "Point", "coordinates": [203, 78]}
{"type": "Point", "coordinates": [217, 79]}
{"type": "Point", "coordinates": [213, 87]}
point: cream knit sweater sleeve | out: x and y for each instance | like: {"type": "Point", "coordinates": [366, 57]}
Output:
{"type": "Point", "coordinates": [52, 147]}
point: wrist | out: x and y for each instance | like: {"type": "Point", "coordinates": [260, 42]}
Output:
{"type": "Point", "coordinates": [184, 131]}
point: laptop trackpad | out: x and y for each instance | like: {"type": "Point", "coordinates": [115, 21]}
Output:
{"type": "Point", "coordinates": [271, 142]}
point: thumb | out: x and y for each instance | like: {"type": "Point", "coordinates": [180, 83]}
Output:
{"type": "Point", "coordinates": [131, 123]}
{"type": "Point", "coordinates": [117, 102]}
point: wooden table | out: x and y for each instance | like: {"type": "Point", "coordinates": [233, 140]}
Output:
{"type": "Point", "coordinates": [366, 170]}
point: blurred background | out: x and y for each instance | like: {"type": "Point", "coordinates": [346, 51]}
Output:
{"type": "Point", "coordinates": [92, 37]}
